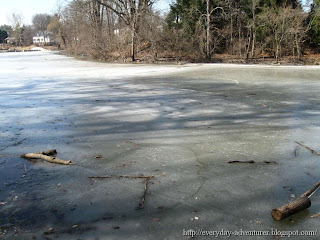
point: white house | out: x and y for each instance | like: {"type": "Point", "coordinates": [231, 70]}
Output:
{"type": "Point", "coordinates": [43, 38]}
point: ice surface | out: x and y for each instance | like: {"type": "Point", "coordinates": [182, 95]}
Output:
{"type": "Point", "coordinates": [179, 123]}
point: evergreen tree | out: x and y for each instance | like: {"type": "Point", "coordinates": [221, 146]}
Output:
{"type": "Point", "coordinates": [314, 23]}
{"type": "Point", "coordinates": [3, 35]}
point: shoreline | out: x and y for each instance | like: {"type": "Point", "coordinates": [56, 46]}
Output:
{"type": "Point", "coordinates": [307, 60]}
{"type": "Point", "coordinates": [226, 62]}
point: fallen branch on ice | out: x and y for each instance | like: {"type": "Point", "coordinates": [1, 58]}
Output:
{"type": "Point", "coordinates": [121, 176]}
{"type": "Point", "coordinates": [143, 198]}
{"type": "Point", "coordinates": [311, 150]}
{"type": "Point", "coordinates": [311, 190]}
{"type": "Point", "coordinates": [46, 155]}
{"type": "Point", "coordinates": [251, 161]}
{"type": "Point", "coordinates": [237, 161]}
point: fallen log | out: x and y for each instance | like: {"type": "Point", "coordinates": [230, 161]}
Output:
{"type": "Point", "coordinates": [291, 208]}
{"type": "Point", "coordinates": [298, 205]}
{"type": "Point", "coordinates": [45, 156]}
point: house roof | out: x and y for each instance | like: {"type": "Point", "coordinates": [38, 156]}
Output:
{"type": "Point", "coordinates": [43, 34]}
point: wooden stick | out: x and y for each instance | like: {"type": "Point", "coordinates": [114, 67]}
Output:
{"type": "Point", "coordinates": [237, 161]}
{"type": "Point", "coordinates": [267, 162]}
{"type": "Point", "coordinates": [295, 206]}
{"type": "Point", "coordinates": [311, 190]}
{"type": "Point", "coordinates": [143, 198]}
{"type": "Point", "coordinates": [311, 150]}
{"type": "Point", "coordinates": [251, 161]}
{"type": "Point", "coordinates": [122, 176]}
{"type": "Point", "coordinates": [45, 157]}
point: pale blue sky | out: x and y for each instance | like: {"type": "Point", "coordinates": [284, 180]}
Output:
{"type": "Point", "coordinates": [30, 7]}
{"type": "Point", "coordinates": [27, 7]}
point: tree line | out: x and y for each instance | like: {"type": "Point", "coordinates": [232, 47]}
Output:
{"type": "Point", "coordinates": [22, 34]}
{"type": "Point", "coordinates": [246, 28]}
{"type": "Point", "coordinates": [193, 30]}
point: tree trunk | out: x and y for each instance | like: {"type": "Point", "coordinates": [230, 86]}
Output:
{"type": "Point", "coordinates": [240, 40]}
{"type": "Point", "coordinates": [249, 44]}
{"type": "Point", "coordinates": [231, 34]}
{"type": "Point", "coordinates": [208, 43]}
{"type": "Point", "coordinates": [253, 43]}
{"type": "Point", "coordinates": [298, 47]}
{"type": "Point", "coordinates": [63, 41]}
{"type": "Point", "coordinates": [231, 27]}
{"type": "Point", "coordinates": [277, 52]}
{"type": "Point", "coordinates": [133, 43]}
{"type": "Point", "coordinates": [253, 27]}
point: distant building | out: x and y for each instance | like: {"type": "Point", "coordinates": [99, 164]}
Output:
{"type": "Point", "coordinates": [10, 40]}
{"type": "Point", "coordinates": [41, 39]}
{"type": "Point", "coordinates": [116, 31]}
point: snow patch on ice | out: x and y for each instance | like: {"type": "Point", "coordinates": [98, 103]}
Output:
{"type": "Point", "coordinates": [40, 49]}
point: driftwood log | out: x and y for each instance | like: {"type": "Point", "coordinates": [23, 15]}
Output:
{"type": "Point", "coordinates": [47, 156]}
{"type": "Point", "coordinates": [298, 205]}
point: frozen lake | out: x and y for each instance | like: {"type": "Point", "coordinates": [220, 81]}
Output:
{"type": "Point", "coordinates": [181, 124]}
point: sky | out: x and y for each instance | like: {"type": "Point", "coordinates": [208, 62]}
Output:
{"type": "Point", "coordinates": [30, 7]}
{"type": "Point", "coordinates": [27, 7]}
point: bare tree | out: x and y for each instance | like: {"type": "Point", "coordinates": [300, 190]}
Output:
{"type": "Point", "coordinates": [254, 5]}
{"type": "Point", "coordinates": [96, 13]}
{"type": "Point", "coordinates": [205, 24]}
{"type": "Point", "coordinates": [252, 29]}
{"type": "Point", "coordinates": [27, 35]}
{"type": "Point", "coordinates": [151, 35]}
{"type": "Point", "coordinates": [41, 22]}
{"type": "Point", "coordinates": [16, 20]}
{"type": "Point", "coordinates": [131, 12]}
{"type": "Point", "coordinates": [284, 30]}
{"type": "Point", "coordinates": [57, 28]}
